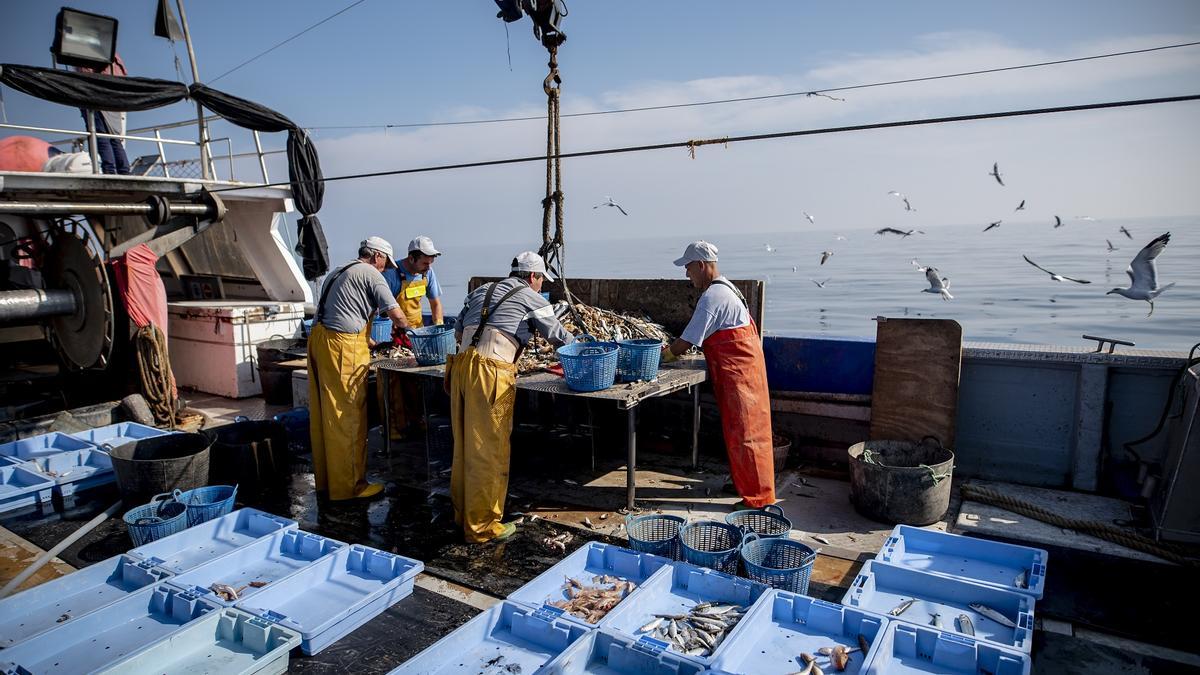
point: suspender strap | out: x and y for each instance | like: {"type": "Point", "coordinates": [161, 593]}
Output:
{"type": "Point", "coordinates": [733, 288]}
{"type": "Point", "coordinates": [329, 287]}
{"type": "Point", "coordinates": [486, 310]}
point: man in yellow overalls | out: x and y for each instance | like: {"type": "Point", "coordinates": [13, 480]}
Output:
{"type": "Point", "coordinates": [412, 279]}
{"type": "Point", "coordinates": [338, 358]}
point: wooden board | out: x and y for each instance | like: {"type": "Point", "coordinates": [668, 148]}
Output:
{"type": "Point", "coordinates": [16, 554]}
{"type": "Point", "coordinates": [917, 366]}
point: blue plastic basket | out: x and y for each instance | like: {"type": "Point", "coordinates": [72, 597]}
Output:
{"type": "Point", "coordinates": [431, 344]}
{"type": "Point", "coordinates": [381, 330]}
{"type": "Point", "coordinates": [711, 544]}
{"type": "Point", "coordinates": [306, 327]}
{"type": "Point", "coordinates": [156, 520]}
{"type": "Point", "coordinates": [655, 533]}
{"type": "Point", "coordinates": [768, 521]}
{"type": "Point", "coordinates": [205, 503]}
{"type": "Point", "coordinates": [638, 359]}
{"type": "Point", "coordinates": [589, 366]}
{"type": "Point", "coordinates": [778, 562]}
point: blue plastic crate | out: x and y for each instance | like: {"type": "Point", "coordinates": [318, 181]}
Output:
{"type": "Point", "coordinates": [75, 470]}
{"type": "Point", "coordinates": [675, 589]}
{"type": "Point", "coordinates": [328, 599]}
{"type": "Point", "coordinates": [510, 637]}
{"type": "Point", "coordinates": [206, 542]}
{"type": "Point", "coordinates": [107, 635]}
{"type": "Point", "coordinates": [990, 563]}
{"type": "Point", "coordinates": [228, 641]}
{"type": "Point", "coordinates": [21, 486]}
{"type": "Point", "coordinates": [381, 330]}
{"type": "Point", "coordinates": [784, 625]}
{"type": "Point", "coordinates": [63, 600]}
{"type": "Point", "coordinates": [43, 445]}
{"type": "Point", "coordinates": [905, 648]}
{"type": "Point", "coordinates": [588, 561]}
{"type": "Point", "coordinates": [122, 432]}
{"type": "Point", "coordinates": [266, 560]}
{"type": "Point", "coordinates": [881, 587]}
{"type": "Point", "coordinates": [603, 651]}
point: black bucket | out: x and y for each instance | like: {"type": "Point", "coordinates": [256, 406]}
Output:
{"type": "Point", "coordinates": [901, 482]}
{"type": "Point", "coordinates": [251, 455]}
{"type": "Point", "coordinates": [151, 466]}
{"type": "Point", "coordinates": [276, 379]}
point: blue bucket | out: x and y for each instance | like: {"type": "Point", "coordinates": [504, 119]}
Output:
{"type": "Point", "coordinates": [637, 360]}
{"type": "Point", "coordinates": [589, 366]}
{"type": "Point", "coordinates": [205, 503]}
{"type": "Point", "coordinates": [655, 533]}
{"type": "Point", "coordinates": [155, 520]}
{"type": "Point", "coordinates": [768, 521]}
{"type": "Point", "coordinates": [778, 562]}
{"type": "Point", "coordinates": [431, 344]}
{"type": "Point", "coordinates": [711, 544]}
{"type": "Point", "coordinates": [381, 330]}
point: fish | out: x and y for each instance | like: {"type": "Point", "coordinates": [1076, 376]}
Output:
{"type": "Point", "coordinates": [64, 617]}
{"type": "Point", "coordinates": [257, 584]}
{"type": "Point", "coordinates": [992, 614]}
{"type": "Point", "coordinates": [1022, 579]}
{"type": "Point", "coordinates": [588, 522]}
{"type": "Point", "coordinates": [825, 651]}
{"type": "Point", "coordinates": [901, 608]}
{"type": "Point", "coordinates": [224, 592]}
{"type": "Point", "coordinates": [965, 625]}
{"type": "Point", "coordinates": [651, 626]}
{"type": "Point", "coordinates": [809, 664]}
{"type": "Point", "coordinates": [823, 540]}
{"type": "Point", "coordinates": [935, 620]}
{"type": "Point", "coordinates": [840, 657]}
{"type": "Point", "coordinates": [863, 644]}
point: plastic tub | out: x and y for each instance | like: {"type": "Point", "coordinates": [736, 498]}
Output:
{"type": "Point", "coordinates": [153, 521]}
{"type": "Point", "coordinates": [637, 360]}
{"type": "Point", "coordinates": [990, 563]}
{"type": "Point", "coordinates": [589, 366]}
{"type": "Point", "coordinates": [151, 466]}
{"type": "Point", "coordinates": [116, 434]}
{"type": "Point", "coordinates": [21, 486]}
{"type": "Point", "coordinates": [906, 648]}
{"type": "Point", "coordinates": [338, 593]}
{"type": "Point", "coordinates": [655, 533]}
{"type": "Point", "coordinates": [381, 330]}
{"type": "Point", "coordinates": [768, 521]}
{"type": "Point", "coordinates": [431, 344]}
{"type": "Point", "coordinates": [265, 561]}
{"type": "Point", "coordinates": [43, 446]}
{"type": "Point", "coordinates": [75, 470]}
{"type": "Point", "coordinates": [208, 502]}
{"type": "Point", "coordinates": [900, 481]}
{"type": "Point", "coordinates": [778, 562]}
{"type": "Point", "coordinates": [252, 454]}
{"type": "Point", "coordinates": [508, 638]}
{"type": "Point", "coordinates": [881, 587]}
{"type": "Point", "coordinates": [711, 544]}
{"type": "Point", "coordinates": [588, 561]}
{"type": "Point", "coordinates": [209, 541]}
{"type": "Point", "coordinates": [63, 600]}
{"type": "Point", "coordinates": [604, 651]}
{"type": "Point", "coordinates": [784, 625]}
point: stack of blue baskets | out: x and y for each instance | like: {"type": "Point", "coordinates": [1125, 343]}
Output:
{"type": "Point", "coordinates": [431, 344]}
{"type": "Point", "coordinates": [589, 366]}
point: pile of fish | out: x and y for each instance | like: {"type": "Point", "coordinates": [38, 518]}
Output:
{"type": "Point", "coordinates": [592, 603]}
{"type": "Point", "coordinates": [962, 622]}
{"type": "Point", "coordinates": [697, 633]}
{"type": "Point", "coordinates": [838, 655]}
{"type": "Point", "coordinates": [395, 352]}
{"type": "Point", "coordinates": [603, 324]}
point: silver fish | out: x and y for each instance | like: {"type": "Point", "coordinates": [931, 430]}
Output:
{"type": "Point", "coordinates": [702, 606]}
{"type": "Point", "coordinates": [965, 626]}
{"type": "Point", "coordinates": [901, 608]}
{"type": "Point", "coordinates": [695, 652]}
{"type": "Point", "coordinates": [1022, 579]}
{"type": "Point", "coordinates": [935, 620]}
{"type": "Point", "coordinates": [650, 626]}
{"type": "Point", "coordinates": [992, 614]}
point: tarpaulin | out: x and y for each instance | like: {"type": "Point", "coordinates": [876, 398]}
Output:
{"type": "Point", "coordinates": [142, 287]}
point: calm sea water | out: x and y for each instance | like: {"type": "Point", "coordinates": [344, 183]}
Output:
{"type": "Point", "coordinates": [997, 296]}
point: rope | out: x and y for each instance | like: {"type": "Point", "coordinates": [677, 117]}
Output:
{"type": "Point", "coordinates": [1096, 529]}
{"type": "Point", "coordinates": [155, 369]}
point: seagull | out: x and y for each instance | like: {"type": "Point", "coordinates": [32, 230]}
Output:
{"type": "Point", "coordinates": [811, 220]}
{"type": "Point", "coordinates": [608, 201]}
{"type": "Point", "coordinates": [907, 206]}
{"type": "Point", "coordinates": [1020, 207]}
{"type": "Point", "coordinates": [996, 172]}
{"type": "Point", "coordinates": [1057, 222]}
{"type": "Point", "coordinates": [892, 230]}
{"type": "Point", "coordinates": [1126, 232]}
{"type": "Point", "coordinates": [994, 224]}
{"type": "Point", "coordinates": [1111, 248]}
{"type": "Point", "coordinates": [1084, 218]}
{"type": "Point", "coordinates": [1056, 277]}
{"type": "Point", "coordinates": [839, 237]}
{"type": "Point", "coordinates": [1143, 274]}
{"type": "Point", "coordinates": [770, 248]}
{"type": "Point", "coordinates": [820, 284]}
{"type": "Point", "coordinates": [937, 283]}
{"type": "Point", "coordinates": [826, 255]}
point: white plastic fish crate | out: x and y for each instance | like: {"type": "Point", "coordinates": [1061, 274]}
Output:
{"type": "Point", "coordinates": [882, 587]}
{"type": "Point", "coordinates": [906, 648]}
{"type": "Point", "coordinates": [508, 638]}
{"type": "Point", "coordinates": [74, 471]}
{"type": "Point", "coordinates": [588, 561]}
{"type": "Point", "coordinates": [43, 445]}
{"type": "Point", "coordinates": [982, 561]}
{"type": "Point", "coordinates": [326, 600]}
{"type": "Point", "coordinates": [211, 540]}
{"type": "Point", "coordinates": [228, 642]}
{"type": "Point", "coordinates": [120, 433]}
{"type": "Point", "coordinates": [21, 486]}
{"type": "Point", "coordinates": [605, 651]}
{"type": "Point", "coordinates": [64, 600]}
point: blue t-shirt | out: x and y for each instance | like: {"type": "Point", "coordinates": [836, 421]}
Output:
{"type": "Point", "coordinates": [395, 277]}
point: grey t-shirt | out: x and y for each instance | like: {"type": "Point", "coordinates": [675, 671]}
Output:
{"type": "Point", "coordinates": [526, 309]}
{"type": "Point", "coordinates": [355, 296]}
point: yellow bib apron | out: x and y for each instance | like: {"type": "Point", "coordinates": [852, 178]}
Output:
{"type": "Point", "coordinates": [337, 402]}
{"type": "Point", "coordinates": [409, 297]}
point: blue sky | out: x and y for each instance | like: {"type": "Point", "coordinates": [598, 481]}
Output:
{"type": "Point", "coordinates": [396, 62]}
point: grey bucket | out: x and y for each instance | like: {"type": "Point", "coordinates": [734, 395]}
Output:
{"type": "Point", "coordinates": [276, 379]}
{"type": "Point", "coordinates": [251, 454]}
{"type": "Point", "coordinates": [900, 481]}
{"type": "Point", "coordinates": [151, 466]}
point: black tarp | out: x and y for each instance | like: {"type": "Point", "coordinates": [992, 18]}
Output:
{"type": "Point", "coordinates": [124, 94]}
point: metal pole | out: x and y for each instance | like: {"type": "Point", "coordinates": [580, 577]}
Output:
{"type": "Point", "coordinates": [695, 426]}
{"type": "Point", "coordinates": [162, 154]}
{"type": "Point", "coordinates": [30, 305]}
{"type": "Point", "coordinates": [92, 149]}
{"type": "Point", "coordinates": [631, 471]}
{"type": "Point", "coordinates": [187, 38]}
{"type": "Point", "coordinates": [84, 209]}
{"type": "Point", "coordinates": [262, 162]}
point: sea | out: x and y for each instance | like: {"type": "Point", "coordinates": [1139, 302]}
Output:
{"type": "Point", "coordinates": [998, 297]}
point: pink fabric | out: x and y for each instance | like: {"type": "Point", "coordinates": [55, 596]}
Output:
{"type": "Point", "coordinates": [23, 153]}
{"type": "Point", "coordinates": [142, 288]}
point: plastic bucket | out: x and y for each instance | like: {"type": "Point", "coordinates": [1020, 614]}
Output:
{"type": "Point", "coordinates": [151, 466]}
{"type": "Point", "coordinates": [637, 360]}
{"type": "Point", "coordinates": [381, 330]}
{"type": "Point", "coordinates": [252, 454]}
{"type": "Point", "coordinates": [276, 380]}
{"type": "Point", "coordinates": [778, 563]}
{"type": "Point", "coordinates": [900, 481]}
{"type": "Point", "coordinates": [589, 366]}
{"type": "Point", "coordinates": [657, 534]}
{"type": "Point", "coordinates": [208, 502]}
{"type": "Point", "coordinates": [431, 344]}
{"type": "Point", "coordinates": [155, 520]}
{"type": "Point", "coordinates": [768, 521]}
{"type": "Point", "coordinates": [711, 544]}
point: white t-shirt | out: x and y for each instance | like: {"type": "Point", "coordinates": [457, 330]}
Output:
{"type": "Point", "coordinates": [719, 308]}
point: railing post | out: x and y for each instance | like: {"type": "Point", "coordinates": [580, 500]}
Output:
{"type": "Point", "coordinates": [262, 162]}
{"type": "Point", "coordinates": [93, 150]}
{"type": "Point", "coordinates": [162, 154]}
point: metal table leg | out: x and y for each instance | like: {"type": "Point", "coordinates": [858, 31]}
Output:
{"type": "Point", "coordinates": [383, 380]}
{"type": "Point", "coordinates": [695, 426]}
{"type": "Point", "coordinates": [631, 476]}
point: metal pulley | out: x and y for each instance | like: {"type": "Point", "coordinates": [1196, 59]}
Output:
{"type": "Point", "coordinates": [84, 337]}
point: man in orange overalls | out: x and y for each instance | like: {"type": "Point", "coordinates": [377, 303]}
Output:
{"type": "Point", "coordinates": [722, 327]}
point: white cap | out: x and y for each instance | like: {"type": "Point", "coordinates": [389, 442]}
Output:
{"type": "Point", "coordinates": [531, 262]}
{"type": "Point", "coordinates": [379, 244]}
{"type": "Point", "coordinates": [698, 251]}
{"type": "Point", "coordinates": [424, 245]}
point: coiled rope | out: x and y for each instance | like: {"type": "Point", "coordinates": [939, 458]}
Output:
{"type": "Point", "coordinates": [154, 367]}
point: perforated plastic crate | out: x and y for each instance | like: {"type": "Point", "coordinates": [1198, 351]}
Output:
{"type": "Point", "coordinates": [63, 600]}
{"type": "Point", "coordinates": [22, 486]}
{"type": "Point", "coordinates": [338, 593]}
{"type": "Point", "coordinates": [43, 445]}
{"type": "Point", "coordinates": [604, 651]}
{"type": "Point", "coordinates": [881, 587]}
{"type": "Point", "coordinates": [116, 434]}
{"type": "Point", "coordinates": [75, 470]}
{"type": "Point", "coordinates": [990, 563]}
{"type": "Point", "coordinates": [264, 561]}
{"type": "Point", "coordinates": [107, 635]}
{"type": "Point", "coordinates": [228, 642]}
{"type": "Point", "coordinates": [211, 540]}
{"type": "Point", "coordinates": [906, 648]}
{"type": "Point", "coordinates": [591, 560]}
{"type": "Point", "coordinates": [785, 624]}
{"type": "Point", "coordinates": [508, 638]}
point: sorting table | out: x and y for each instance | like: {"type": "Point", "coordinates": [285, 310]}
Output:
{"type": "Point", "coordinates": [686, 373]}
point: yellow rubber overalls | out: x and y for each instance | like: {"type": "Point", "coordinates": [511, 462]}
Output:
{"type": "Point", "coordinates": [403, 394]}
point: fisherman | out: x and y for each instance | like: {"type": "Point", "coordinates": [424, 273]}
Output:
{"type": "Point", "coordinates": [496, 322]}
{"type": "Point", "coordinates": [412, 279]}
{"type": "Point", "coordinates": [722, 327]}
{"type": "Point", "coordinates": [338, 358]}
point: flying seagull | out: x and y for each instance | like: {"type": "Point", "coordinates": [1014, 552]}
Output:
{"type": "Point", "coordinates": [1056, 277]}
{"type": "Point", "coordinates": [1111, 248]}
{"type": "Point", "coordinates": [1021, 206]}
{"type": "Point", "coordinates": [1057, 222]}
{"type": "Point", "coordinates": [839, 237]}
{"type": "Point", "coordinates": [996, 172]}
{"type": "Point", "coordinates": [937, 283]}
{"type": "Point", "coordinates": [892, 230]}
{"type": "Point", "coordinates": [907, 206]}
{"type": "Point", "coordinates": [1143, 274]}
{"type": "Point", "coordinates": [770, 248]}
{"type": "Point", "coordinates": [820, 284]}
{"type": "Point", "coordinates": [826, 255]}
{"type": "Point", "coordinates": [1126, 232]}
{"type": "Point", "coordinates": [608, 201]}
{"type": "Point", "coordinates": [811, 220]}
{"type": "Point", "coordinates": [994, 224]}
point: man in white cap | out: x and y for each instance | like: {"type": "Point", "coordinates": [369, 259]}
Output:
{"type": "Point", "coordinates": [413, 278]}
{"type": "Point", "coordinates": [496, 322]}
{"type": "Point", "coordinates": [338, 358]}
{"type": "Point", "coordinates": [722, 327]}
